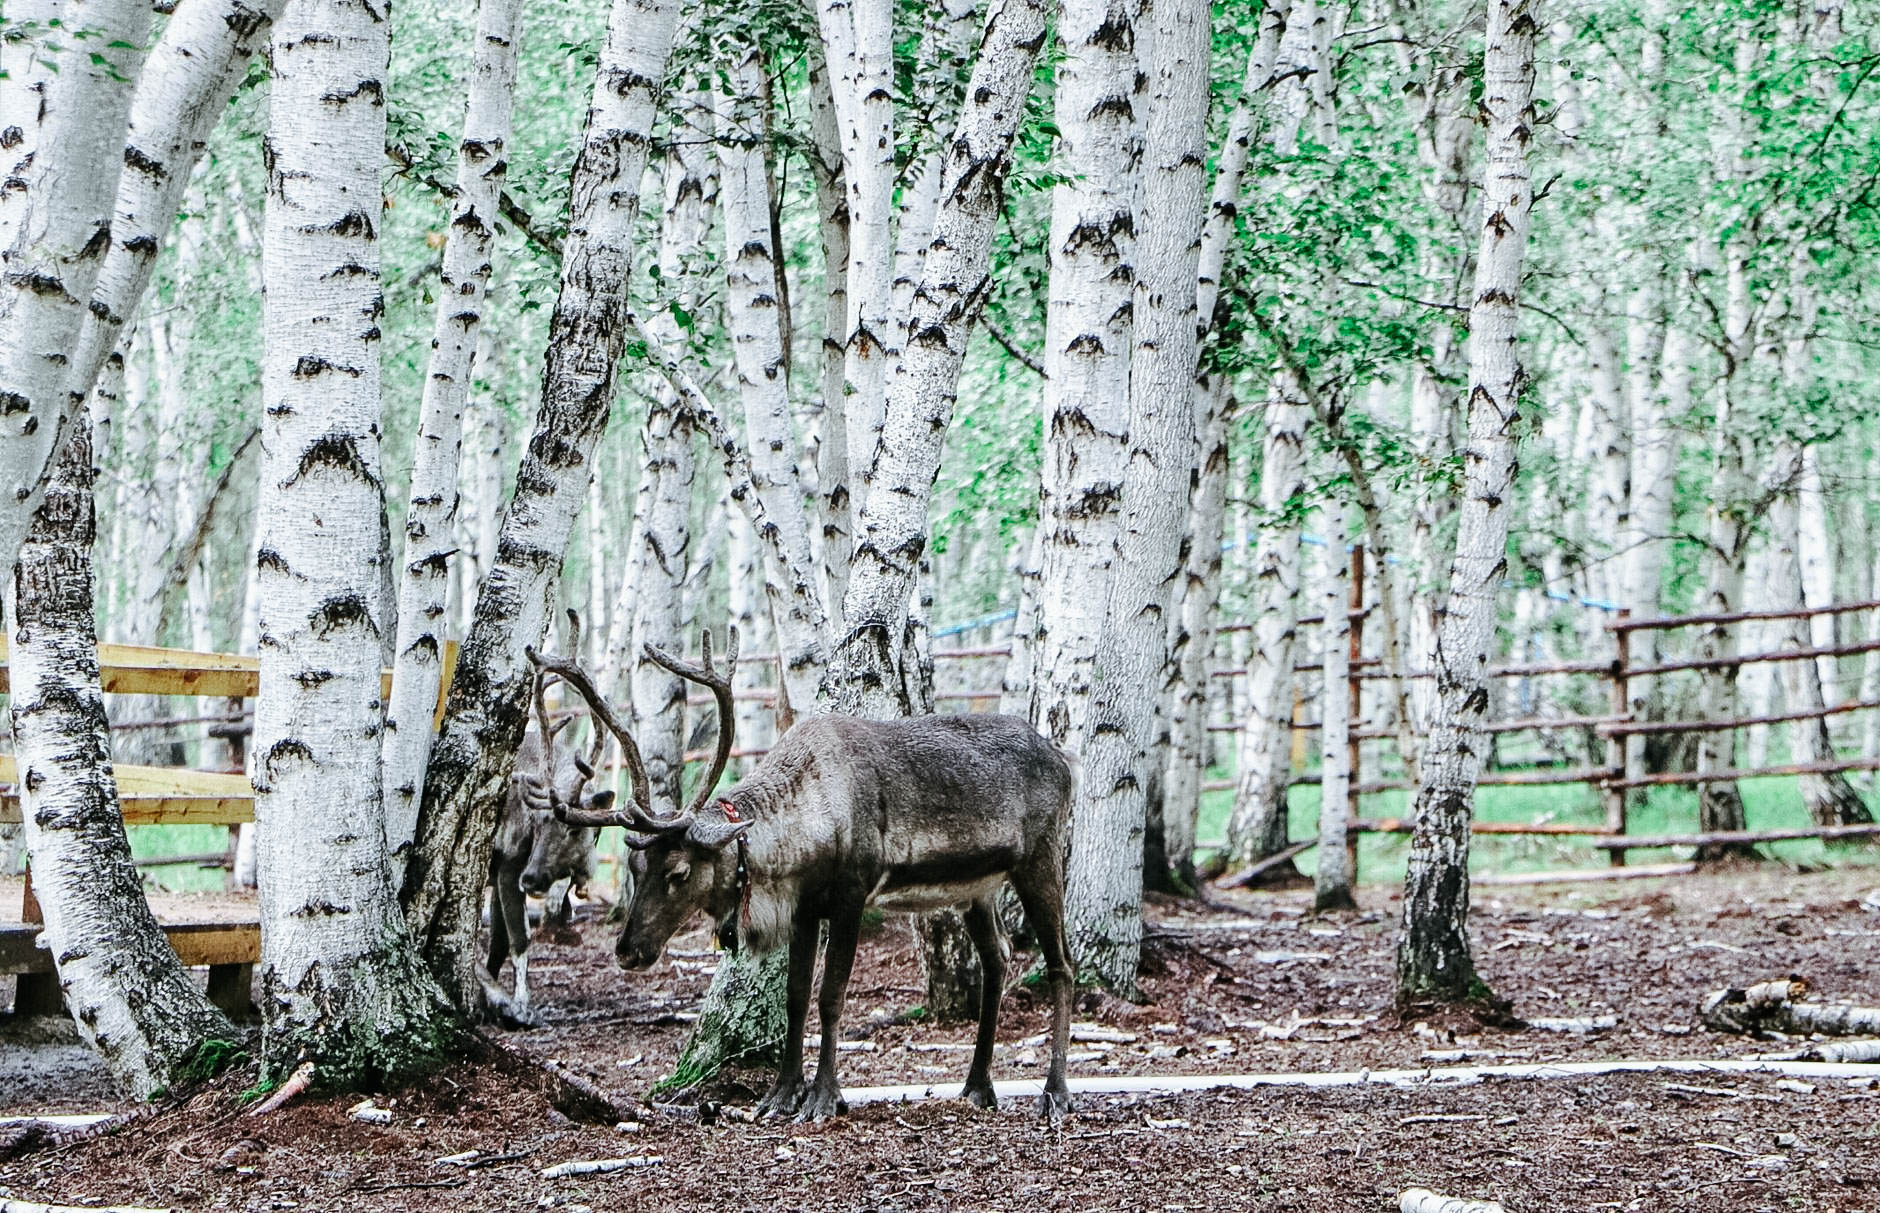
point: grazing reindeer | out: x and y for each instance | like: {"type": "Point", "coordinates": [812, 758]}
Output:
{"type": "Point", "coordinates": [909, 815]}
{"type": "Point", "coordinates": [534, 848]}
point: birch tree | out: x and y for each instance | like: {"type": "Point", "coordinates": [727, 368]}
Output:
{"type": "Point", "coordinates": [423, 575]}
{"type": "Point", "coordinates": [341, 984]}
{"type": "Point", "coordinates": [1433, 958]}
{"type": "Point", "coordinates": [474, 752]}
{"type": "Point", "coordinates": [1104, 902]}
{"type": "Point", "coordinates": [65, 111]}
{"type": "Point", "coordinates": [131, 998]}
{"type": "Point", "coordinates": [1331, 881]}
{"type": "Point", "coordinates": [1088, 334]}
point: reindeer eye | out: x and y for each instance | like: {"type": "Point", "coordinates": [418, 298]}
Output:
{"type": "Point", "coordinates": [678, 876]}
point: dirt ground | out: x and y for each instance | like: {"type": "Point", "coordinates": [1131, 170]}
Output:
{"type": "Point", "coordinates": [1254, 984]}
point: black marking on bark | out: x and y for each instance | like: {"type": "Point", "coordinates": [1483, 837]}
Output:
{"type": "Point", "coordinates": [287, 749]}
{"type": "Point", "coordinates": [38, 284]}
{"type": "Point", "coordinates": [340, 451]}
{"type": "Point", "coordinates": [13, 402]}
{"type": "Point", "coordinates": [1116, 34]}
{"type": "Point", "coordinates": [136, 158]}
{"type": "Point", "coordinates": [1087, 343]}
{"type": "Point", "coordinates": [309, 679]}
{"type": "Point", "coordinates": [364, 88]}
{"type": "Point", "coordinates": [1118, 107]}
{"type": "Point", "coordinates": [352, 224]}
{"type": "Point", "coordinates": [320, 908]}
{"type": "Point", "coordinates": [11, 137]}
{"type": "Point", "coordinates": [311, 365]}
{"type": "Point", "coordinates": [352, 269]}
{"type": "Point", "coordinates": [144, 245]}
{"type": "Point", "coordinates": [339, 611]}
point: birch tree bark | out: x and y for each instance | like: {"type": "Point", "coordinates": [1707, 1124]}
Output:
{"type": "Point", "coordinates": [662, 558]}
{"type": "Point", "coordinates": [1433, 959]}
{"type": "Point", "coordinates": [1087, 347]}
{"type": "Point", "coordinates": [131, 998]}
{"type": "Point", "coordinates": [1257, 826]}
{"type": "Point", "coordinates": [423, 576]}
{"type": "Point", "coordinates": [67, 98]}
{"type": "Point", "coordinates": [341, 984]}
{"type": "Point", "coordinates": [1815, 527]}
{"type": "Point", "coordinates": [752, 316]}
{"type": "Point", "coordinates": [858, 41]}
{"type": "Point", "coordinates": [866, 675]}
{"type": "Point", "coordinates": [1103, 905]}
{"type": "Point", "coordinates": [1331, 882]}
{"type": "Point", "coordinates": [1830, 797]}
{"type": "Point", "coordinates": [193, 70]}
{"type": "Point", "coordinates": [474, 753]}
{"type": "Point", "coordinates": [832, 218]}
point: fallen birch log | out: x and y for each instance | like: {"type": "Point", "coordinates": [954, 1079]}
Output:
{"type": "Point", "coordinates": [1777, 1006]}
{"type": "Point", "coordinates": [1582, 1025]}
{"type": "Point", "coordinates": [1422, 1200]}
{"type": "Point", "coordinates": [1848, 1051]}
{"type": "Point", "coordinates": [601, 1166]}
{"type": "Point", "coordinates": [1434, 1078]}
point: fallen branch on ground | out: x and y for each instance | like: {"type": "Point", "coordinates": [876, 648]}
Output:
{"type": "Point", "coordinates": [1253, 872]}
{"type": "Point", "coordinates": [1644, 871]}
{"type": "Point", "coordinates": [1422, 1200]}
{"type": "Point", "coordinates": [1581, 1025]}
{"type": "Point", "coordinates": [601, 1166]}
{"type": "Point", "coordinates": [1776, 1006]}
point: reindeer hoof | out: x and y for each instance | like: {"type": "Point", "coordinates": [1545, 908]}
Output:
{"type": "Point", "coordinates": [981, 1096]}
{"type": "Point", "coordinates": [822, 1103]}
{"type": "Point", "coordinates": [1053, 1106]}
{"type": "Point", "coordinates": [784, 1098]}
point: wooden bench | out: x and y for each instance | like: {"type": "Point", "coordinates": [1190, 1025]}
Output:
{"type": "Point", "coordinates": [151, 796]}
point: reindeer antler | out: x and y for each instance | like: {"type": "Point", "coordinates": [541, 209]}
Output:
{"type": "Point", "coordinates": [719, 683]}
{"type": "Point", "coordinates": [640, 816]}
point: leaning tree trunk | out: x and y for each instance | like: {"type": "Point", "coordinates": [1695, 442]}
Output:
{"type": "Point", "coordinates": [62, 148]}
{"type": "Point", "coordinates": [752, 316]}
{"type": "Point", "coordinates": [866, 674]}
{"type": "Point", "coordinates": [129, 995]}
{"type": "Point", "coordinates": [423, 576]}
{"type": "Point", "coordinates": [474, 753]}
{"type": "Point", "coordinates": [341, 984]}
{"type": "Point", "coordinates": [1433, 957]}
{"type": "Point", "coordinates": [1257, 827]}
{"type": "Point", "coordinates": [192, 71]}
{"type": "Point", "coordinates": [1103, 905]}
{"type": "Point", "coordinates": [1087, 348]}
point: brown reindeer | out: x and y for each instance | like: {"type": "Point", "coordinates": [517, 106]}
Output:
{"type": "Point", "coordinates": [908, 815]}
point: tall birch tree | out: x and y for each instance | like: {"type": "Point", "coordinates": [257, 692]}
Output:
{"type": "Point", "coordinates": [1433, 958]}
{"type": "Point", "coordinates": [341, 984]}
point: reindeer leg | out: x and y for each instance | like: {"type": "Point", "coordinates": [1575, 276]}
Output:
{"type": "Point", "coordinates": [982, 924]}
{"type": "Point", "coordinates": [786, 1094]}
{"type": "Point", "coordinates": [499, 932]}
{"type": "Point", "coordinates": [513, 909]}
{"type": "Point", "coordinates": [1041, 891]}
{"type": "Point", "coordinates": [825, 1093]}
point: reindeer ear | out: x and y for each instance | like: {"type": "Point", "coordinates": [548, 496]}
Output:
{"type": "Point", "coordinates": [601, 802]}
{"type": "Point", "coordinates": [715, 835]}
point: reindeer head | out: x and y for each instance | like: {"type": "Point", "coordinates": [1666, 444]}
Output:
{"type": "Point", "coordinates": [683, 861]}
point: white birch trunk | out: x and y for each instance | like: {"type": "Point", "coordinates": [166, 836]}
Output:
{"type": "Point", "coordinates": [64, 118]}
{"type": "Point", "coordinates": [858, 40]}
{"type": "Point", "coordinates": [1257, 827]}
{"type": "Point", "coordinates": [832, 216]}
{"type": "Point", "coordinates": [1816, 526]}
{"type": "Point", "coordinates": [752, 316]}
{"type": "Point", "coordinates": [866, 673]}
{"type": "Point", "coordinates": [1103, 905]}
{"type": "Point", "coordinates": [1200, 606]}
{"type": "Point", "coordinates": [1332, 880]}
{"type": "Point", "coordinates": [1087, 349]}
{"type": "Point", "coordinates": [473, 756]}
{"type": "Point", "coordinates": [1830, 798]}
{"type": "Point", "coordinates": [423, 575]}
{"type": "Point", "coordinates": [193, 70]}
{"type": "Point", "coordinates": [662, 533]}
{"type": "Point", "coordinates": [131, 999]}
{"type": "Point", "coordinates": [341, 985]}
{"type": "Point", "coordinates": [1433, 949]}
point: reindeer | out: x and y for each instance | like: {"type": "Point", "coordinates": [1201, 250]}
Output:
{"type": "Point", "coordinates": [908, 815]}
{"type": "Point", "coordinates": [533, 848]}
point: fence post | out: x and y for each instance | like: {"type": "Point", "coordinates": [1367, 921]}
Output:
{"type": "Point", "coordinates": [1354, 747]}
{"type": "Point", "coordinates": [1613, 789]}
